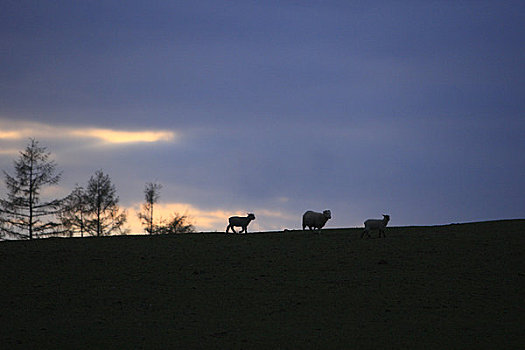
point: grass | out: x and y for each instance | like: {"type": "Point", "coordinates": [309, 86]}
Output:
{"type": "Point", "coordinates": [453, 286]}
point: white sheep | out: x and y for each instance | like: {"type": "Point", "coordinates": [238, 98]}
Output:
{"type": "Point", "coordinates": [240, 221]}
{"type": "Point", "coordinates": [376, 224]}
{"type": "Point", "coordinates": [316, 220]}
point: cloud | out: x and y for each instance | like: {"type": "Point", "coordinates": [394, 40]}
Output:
{"type": "Point", "coordinates": [10, 135]}
{"type": "Point", "coordinates": [22, 130]}
{"type": "Point", "coordinates": [116, 136]}
{"type": "Point", "coordinates": [9, 151]}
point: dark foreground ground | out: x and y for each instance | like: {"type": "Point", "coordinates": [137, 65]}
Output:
{"type": "Point", "coordinates": [455, 286]}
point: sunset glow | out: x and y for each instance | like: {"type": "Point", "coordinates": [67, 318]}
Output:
{"type": "Point", "coordinates": [23, 130]}
{"type": "Point", "coordinates": [202, 219]}
{"type": "Point", "coordinates": [10, 134]}
{"type": "Point", "coordinates": [116, 136]}
{"type": "Point", "coordinates": [9, 151]}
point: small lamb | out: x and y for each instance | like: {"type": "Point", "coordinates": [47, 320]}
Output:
{"type": "Point", "coordinates": [376, 224]}
{"type": "Point", "coordinates": [316, 220]}
{"type": "Point", "coordinates": [240, 221]}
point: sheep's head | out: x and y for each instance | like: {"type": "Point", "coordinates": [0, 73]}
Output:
{"type": "Point", "coordinates": [251, 216]}
{"type": "Point", "coordinates": [386, 217]}
{"type": "Point", "coordinates": [327, 214]}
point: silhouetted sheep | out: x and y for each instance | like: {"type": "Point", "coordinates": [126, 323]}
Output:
{"type": "Point", "coordinates": [316, 220]}
{"type": "Point", "coordinates": [376, 224]}
{"type": "Point", "coordinates": [240, 221]}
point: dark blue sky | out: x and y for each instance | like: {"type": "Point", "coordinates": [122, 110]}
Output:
{"type": "Point", "coordinates": [410, 108]}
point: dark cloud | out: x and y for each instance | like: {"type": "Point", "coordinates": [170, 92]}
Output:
{"type": "Point", "coordinates": [407, 107]}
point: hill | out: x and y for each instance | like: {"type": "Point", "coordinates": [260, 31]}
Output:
{"type": "Point", "coordinates": [446, 286]}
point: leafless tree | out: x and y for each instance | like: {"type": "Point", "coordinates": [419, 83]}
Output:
{"type": "Point", "coordinates": [74, 212]}
{"type": "Point", "coordinates": [151, 196]}
{"type": "Point", "coordinates": [103, 215]}
{"type": "Point", "coordinates": [23, 215]}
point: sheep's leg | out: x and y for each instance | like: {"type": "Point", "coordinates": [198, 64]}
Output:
{"type": "Point", "coordinates": [233, 229]}
{"type": "Point", "coordinates": [228, 228]}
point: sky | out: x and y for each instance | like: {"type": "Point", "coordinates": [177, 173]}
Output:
{"type": "Point", "coordinates": [414, 109]}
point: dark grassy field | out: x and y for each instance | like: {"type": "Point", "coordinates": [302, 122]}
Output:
{"type": "Point", "coordinates": [454, 286]}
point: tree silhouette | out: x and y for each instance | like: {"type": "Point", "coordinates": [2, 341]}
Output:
{"type": "Point", "coordinates": [151, 195]}
{"type": "Point", "coordinates": [74, 212]}
{"type": "Point", "coordinates": [177, 224]}
{"type": "Point", "coordinates": [103, 216]}
{"type": "Point", "coordinates": [23, 214]}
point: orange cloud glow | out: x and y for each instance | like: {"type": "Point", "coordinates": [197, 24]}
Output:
{"type": "Point", "coordinates": [115, 136]}
{"type": "Point", "coordinates": [10, 135]}
{"type": "Point", "coordinates": [14, 130]}
{"type": "Point", "coordinates": [10, 152]}
{"type": "Point", "coordinates": [205, 220]}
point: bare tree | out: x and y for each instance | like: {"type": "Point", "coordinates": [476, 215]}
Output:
{"type": "Point", "coordinates": [151, 195]}
{"type": "Point", "coordinates": [74, 212]}
{"type": "Point", "coordinates": [177, 224]}
{"type": "Point", "coordinates": [103, 216]}
{"type": "Point", "coordinates": [23, 214]}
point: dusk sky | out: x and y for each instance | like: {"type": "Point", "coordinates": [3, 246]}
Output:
{"type": "Point", "coordinates": [410, 108]}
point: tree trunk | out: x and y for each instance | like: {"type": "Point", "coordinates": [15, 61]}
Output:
{"type": "Point", "coordinates": [151, 221]}
{"type": "Point", "coordinates": [98, 212]}
{"type": "Point", "coordinates": [31, 199]}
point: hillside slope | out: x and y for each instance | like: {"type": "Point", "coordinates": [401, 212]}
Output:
{"type": "Point", "coordinates": [439, 287]}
